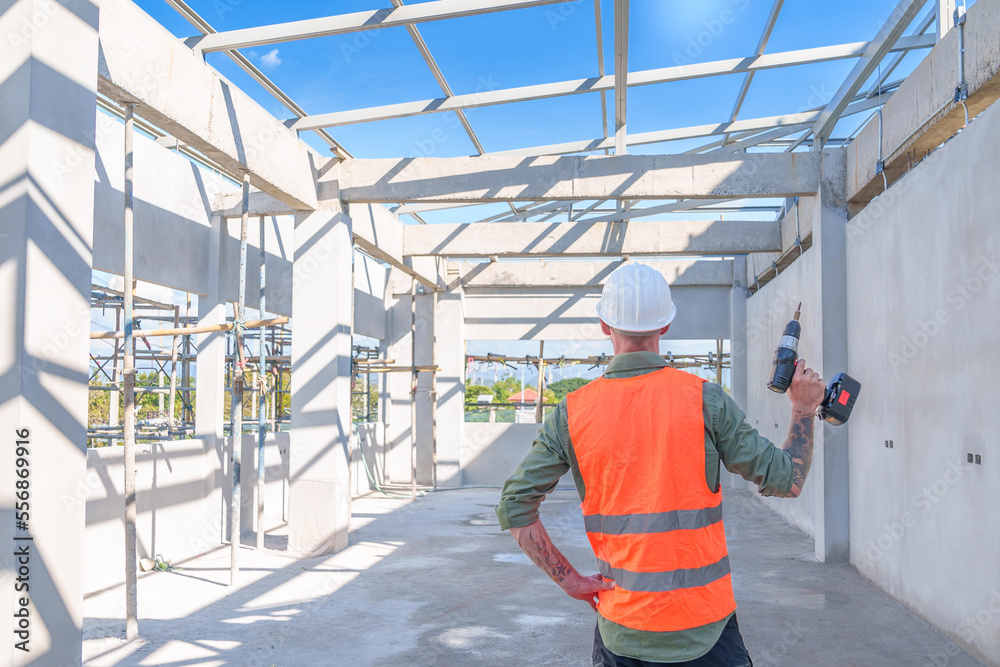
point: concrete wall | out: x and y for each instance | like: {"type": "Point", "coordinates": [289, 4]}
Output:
{"type": "Point", "coordinates": [180, 507]}
{"type": "Point", "coordinates": [491, 452]}
{"type": "Point", "coordinates": [924, 311]}
{"type": "Point", "coordinates": [173, 209]}
{"type": "Point", "coordinates": [768, 311]}
{"type": "Point", "coordinates": [275, 482]}
{"type": "Point", "coordinates": [370, 279]}
{"type": "Point", "coordinates": [171, 486]}
{"type": "Point", "coordinates": [367, 448]}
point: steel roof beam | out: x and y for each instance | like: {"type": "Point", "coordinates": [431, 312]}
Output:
{"type": "Point", "coordinates": [748, 78]}
{"type": "Point", "coordinates": [621, 74]}
{"type": "Point", "coordinates": [355, 22]}
{"type": "Point", "coordinates": [886, 71]}
{"type": "Point", "coordinates": [201, 24]}
{"type": "Point", "coordinates": [658, 136]}
{"type": "Point", "coordinates": [418, 39]}
{"type": "Point", "coordinates": [599, 32]}
{"type": "Point", "coordinates": [891, 31]}
{"type": "Point", "coordinates": [601, 83]}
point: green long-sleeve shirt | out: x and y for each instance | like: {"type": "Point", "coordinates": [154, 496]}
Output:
{"type": "Point", "coordinates": [728, 438]}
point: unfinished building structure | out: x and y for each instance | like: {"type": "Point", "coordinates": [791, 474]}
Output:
{"type": "Point", "coordinates": [884, 235]}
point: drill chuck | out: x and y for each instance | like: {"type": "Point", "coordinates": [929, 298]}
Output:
{"type": "Point", "coordinates": [786, 355]}
{"type": "Point", "coordinates": [838, 402]}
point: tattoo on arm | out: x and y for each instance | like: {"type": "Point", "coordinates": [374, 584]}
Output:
{"type": "Point", "coordinates": [800, 445]}
{"type": "Point", "coordinates": [535, 542]}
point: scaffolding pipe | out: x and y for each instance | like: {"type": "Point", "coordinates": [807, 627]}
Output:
{"type": "Point", "coordinates": [718, 363]}
{"type": "Point", "coordinates": [113, 418]}
{"type": "Point", "coordinates": [434, 394]}
{"type": "Point", "coordinates": [413, 388]}
{"type": "Point", "coordinates": [131, 573]}
{"type": "Point", "coordinates": [173, 371]}
{"type": "Point", "coordinates": [539, 410]}
{"type": "Point", "coordinates": [186, 366]}
{"type": "Point", "coordinates": [236, 432]}
{"type": "Point", "coordinates": [187, 331]}
{"type": "Point", "coordinates": [262, 399]}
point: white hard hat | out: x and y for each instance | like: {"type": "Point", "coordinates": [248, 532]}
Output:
{"type": "Point", "coordinates": [636, 297]}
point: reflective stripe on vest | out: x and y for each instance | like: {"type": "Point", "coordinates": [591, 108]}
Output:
{"type": "Point", "coordinates": [655, 526]}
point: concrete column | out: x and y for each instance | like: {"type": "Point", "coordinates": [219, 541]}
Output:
{"type": "Point", "coordinates": [945, 17]}
{"type": "Point", "coordinates": [397, 385]}
{"type": "Point", "coordinates": [738, 333]}
{"type": "Point", "coordinates": [829, 219]}
{"type": "Point", "coordinates": [426, 332]}
{"type": "Point", "coordinates": [738, 353]}
{"type": "Point", "coordinates": [449, 353]}
{"type": "Point", "coordinates": [210, 391]}
{"type": "Point", "coordinates": [47, 139]}
{"type": "Point", "coordinates": [319, 509]}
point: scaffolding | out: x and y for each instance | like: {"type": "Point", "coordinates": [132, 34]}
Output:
{"type": "Point", "coordinates": [711, 362]}
{"type": "Point", "coordinates": [170, 372]}
{"type": "Point", "coordinates": [174, 363]}
{"type": "Point", "coordinates": [363, 361]}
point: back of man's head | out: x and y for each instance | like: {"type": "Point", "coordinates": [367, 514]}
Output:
{"type": "Point", "coordinates": [635, 301]}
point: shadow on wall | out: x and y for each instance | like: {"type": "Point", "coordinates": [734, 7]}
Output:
{"type": "Point", "coordinates": [45, 252]}
{"type": "Point", "coordinates": [182, 500]}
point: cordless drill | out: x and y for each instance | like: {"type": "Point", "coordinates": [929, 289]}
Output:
{"type": "Point", "coordinates": [841, 394]}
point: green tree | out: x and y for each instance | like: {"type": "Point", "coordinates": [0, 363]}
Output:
{"type": "Point", "coordinates": [562, 387]}
{"type": "Point", "coordinates": [474, 391]}
{"type": "Point", "coordinates": [505, 388]}
{"type": "Point", "coordinates": [358, 401]}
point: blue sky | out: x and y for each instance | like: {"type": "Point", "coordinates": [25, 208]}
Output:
{"type": "Point", "coordinates": [541, 45]}
{"type": "Point", "coordinates": [532, 46]}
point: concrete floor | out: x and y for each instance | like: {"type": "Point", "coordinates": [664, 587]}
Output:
{"type": "Point", "coordinates": [435, 583]}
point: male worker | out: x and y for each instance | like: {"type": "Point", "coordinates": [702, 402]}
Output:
{"type": "Point", "coordinates": [644, 444]}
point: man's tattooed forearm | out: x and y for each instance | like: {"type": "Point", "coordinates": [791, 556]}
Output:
{"type": "Point", "coordinates": [547, 557]}
{"type": "Point", "coordinates": [800, 446]}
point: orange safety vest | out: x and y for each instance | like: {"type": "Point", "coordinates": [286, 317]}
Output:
{"type": "Point", "coordinates": [655, 526]}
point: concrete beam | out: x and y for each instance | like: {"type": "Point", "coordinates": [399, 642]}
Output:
{"type": "Point", "coordinates": [922, 114]}
{"type": "Point", "coordinates": [377, 231]}
{"type": "Point", "coordinates": [548, 274]}
{"type": "Point", "coordinates": [571, 314]}
{"type": "Point", "coordinates": [512, 178]}
{"type": "Point", "coordinates": [380, 234]}
{"type": "Point", "coordinates": [230, 205]}
{"type": "Point", "coordinates": [514, 239]}
{"type": "Point", "coordinates": [142, 62]}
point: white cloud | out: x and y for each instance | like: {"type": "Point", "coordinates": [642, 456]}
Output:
{"type": "Point", "coordinates": [270, 59]}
